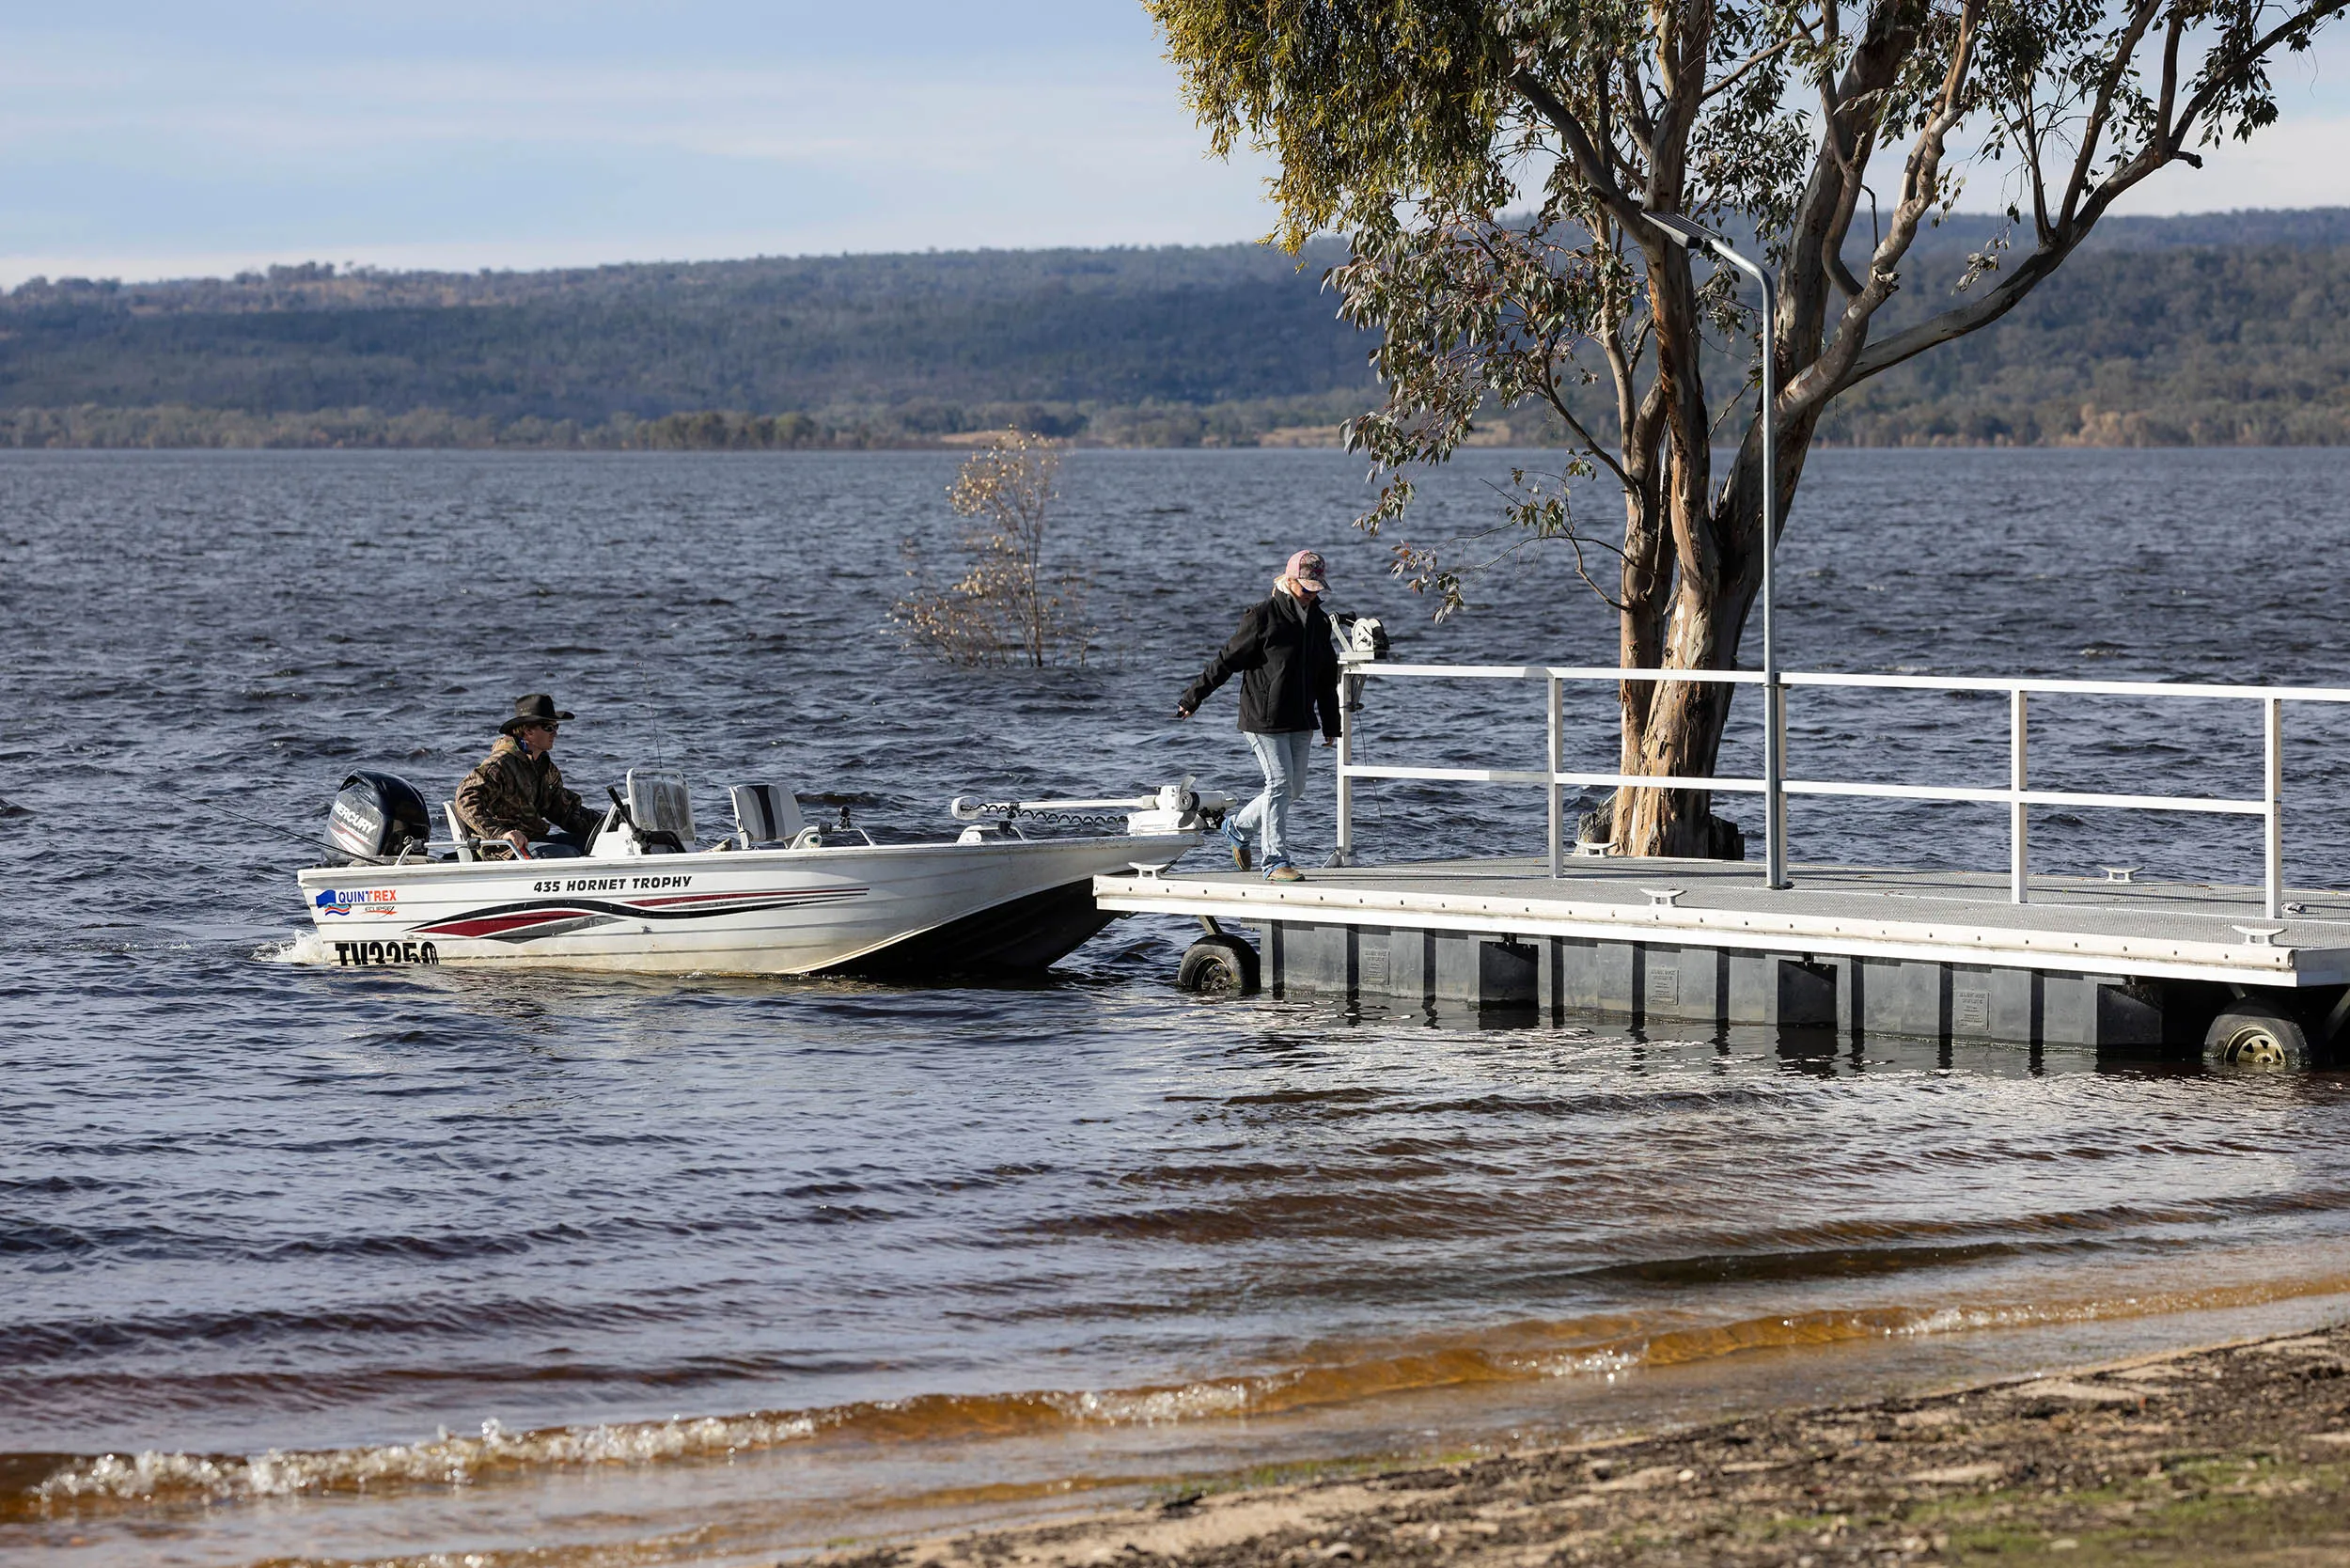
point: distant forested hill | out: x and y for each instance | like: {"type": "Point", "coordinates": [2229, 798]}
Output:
{"type": "Point", "coordinates": [919, 345]}
{"type": "Point", "coordinates": [2215, 328]}
{"type": "Point", "coordinates": [2162, 334]}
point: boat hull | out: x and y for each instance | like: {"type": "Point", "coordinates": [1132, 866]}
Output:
{"type": "Point", "coordinates": [1001, 906]}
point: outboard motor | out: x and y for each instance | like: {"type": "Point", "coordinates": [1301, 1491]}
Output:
{"type": "Point", "coordinates": [378, 816]}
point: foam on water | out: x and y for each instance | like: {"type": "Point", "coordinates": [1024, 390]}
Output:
{"type": "Point", "coordinates": [107, 1482]}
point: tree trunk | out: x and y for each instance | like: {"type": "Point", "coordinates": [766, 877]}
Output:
{"type": "Point", "coordinates": [1683, 723]}
{"type": "Point", "coordinates": [1684, 732]}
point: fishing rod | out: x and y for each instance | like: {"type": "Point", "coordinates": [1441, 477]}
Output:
{"type": "Point", "coordinates": [301, 837]}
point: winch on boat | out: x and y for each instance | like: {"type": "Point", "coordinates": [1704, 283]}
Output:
{"type": "Point", "coordinates": [777, 895]}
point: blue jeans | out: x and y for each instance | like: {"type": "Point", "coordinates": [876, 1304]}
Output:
{"type": "Point", "coordinates": [561, 843]}
{"type": "Point", "coordinates": [1283, 756]}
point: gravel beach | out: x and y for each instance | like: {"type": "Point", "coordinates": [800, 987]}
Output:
{"type": "Point", "coordinates": [2237, 1451]}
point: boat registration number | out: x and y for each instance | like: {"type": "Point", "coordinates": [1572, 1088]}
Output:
{"type": "Point", "coordinates": [380, 953]}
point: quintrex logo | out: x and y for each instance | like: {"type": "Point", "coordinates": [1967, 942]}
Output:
{"type": "Point", "coordinates": [368, 901]}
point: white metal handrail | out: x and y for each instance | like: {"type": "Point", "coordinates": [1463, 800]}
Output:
{"type": "Point", "coordinates": [2018, 796]}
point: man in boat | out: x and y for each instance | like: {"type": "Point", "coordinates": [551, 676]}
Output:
{"type": "Point", "coordinates": [1289, 671]}
{"type": "Point", "coordinates": [517, 792]}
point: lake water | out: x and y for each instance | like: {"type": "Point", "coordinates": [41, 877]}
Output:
{"type": "Point", "coordinates": [357, 1266]}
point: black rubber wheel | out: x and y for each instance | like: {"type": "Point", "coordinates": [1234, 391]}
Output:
{"type": "Point", "coordinates": [1218, 967]}
{"type": "Point", "coordinates": [2254, 1034]}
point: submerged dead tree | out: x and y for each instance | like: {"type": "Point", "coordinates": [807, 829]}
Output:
{"type": "Point", "coordinates": [1005, 609]}
{"type": "Point", "coordinates": [1495, 164]}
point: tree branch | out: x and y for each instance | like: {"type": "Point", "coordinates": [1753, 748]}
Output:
{"type": "Point", "coordinates": [1636, 111]}
{"type": "Point", "coordinates": [1588, 159]}
{"type": "Point", "coordinates": [1574, 426]}
{"type": "Point", "coordinates": [1920, 183]}
{"type": "Point", "coordinates": [2042, 227]}
{"type": "Point", "coordinates": [2084, 158]}
{"type": "Point", "coordinates": [2215, 83]}
{"type": "Point", "coordinates": [2059, 242]}
{"type": "Point", "coordinates": [1743, 68]}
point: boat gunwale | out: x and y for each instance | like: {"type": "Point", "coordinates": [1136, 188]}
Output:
{"type": "Point", "coordinates": [671, 864]}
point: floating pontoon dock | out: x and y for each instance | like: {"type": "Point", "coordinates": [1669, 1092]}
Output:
{"type": "Point", "coordinates": [1697, 942]}
{"type": "Point", "coordinates": [2019, 956]}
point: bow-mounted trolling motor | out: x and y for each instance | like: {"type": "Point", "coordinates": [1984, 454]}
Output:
{"type": "Point", "coordinates": [1170, 808]}
{"type": "Point", "coordinates": [1361, 639]}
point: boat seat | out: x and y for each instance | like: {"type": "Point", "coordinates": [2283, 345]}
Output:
{"type": "Point", "coordinates": [457, 833]}
{"type": "Point", "coordinates": [766, 814]}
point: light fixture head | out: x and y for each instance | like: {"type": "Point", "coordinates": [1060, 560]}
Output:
{"type": "Point", "coordinates": [1682, 232]}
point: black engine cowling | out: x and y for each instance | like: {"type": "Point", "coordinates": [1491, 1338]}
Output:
{"type": "Point", "coordinates": [378, 816]}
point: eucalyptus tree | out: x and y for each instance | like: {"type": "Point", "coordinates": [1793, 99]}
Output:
{"type": "Point", "coordinates": [1495, 163]}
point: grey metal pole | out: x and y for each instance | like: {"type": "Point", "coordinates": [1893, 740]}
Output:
{"type": "Point", "coordinates": [1774, 694]}
{"type": "Point", "coordinates": [1688, 235]}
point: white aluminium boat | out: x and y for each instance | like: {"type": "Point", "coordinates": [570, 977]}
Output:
{"type": "Point", "coordinates": [777, 897]}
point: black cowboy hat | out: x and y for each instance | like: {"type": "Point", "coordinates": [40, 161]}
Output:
{"type": "Point", "coordinates": [538, 708]}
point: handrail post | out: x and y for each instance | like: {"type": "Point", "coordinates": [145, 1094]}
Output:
{"type": "Point", "coordinates": [2273, 793]}
{"type": "Point", "coordinates": [1344, 854]}
{"type": "Point", "coordinates": [2018, 814]}
{"type": "Point", "coordinates": [1558, 763]}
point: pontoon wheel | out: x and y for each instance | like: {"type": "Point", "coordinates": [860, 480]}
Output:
{"type": "Point", "coordinates": [2255, 1035]}
{"type": "Point", "coordinates": [1218, 967]}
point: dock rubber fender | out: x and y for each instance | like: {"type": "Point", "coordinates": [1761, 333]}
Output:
{"type": "Point", "coordinates": [1218, 965]}
{"type": "Point", "coordinates": [2251, 1033]}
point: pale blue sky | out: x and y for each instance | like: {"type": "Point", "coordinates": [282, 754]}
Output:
{"type": "Point", "coordinates": [144, 140]}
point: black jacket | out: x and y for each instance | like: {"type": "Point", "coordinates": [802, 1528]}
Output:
{"type": "Point", "coordinates": [1287, 665]}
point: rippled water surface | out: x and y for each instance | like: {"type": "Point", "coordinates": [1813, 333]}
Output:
{"type": "Point", "coordinates": [355, 1265]}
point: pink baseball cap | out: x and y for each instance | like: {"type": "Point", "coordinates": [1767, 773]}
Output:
{"type": "Point", "coordinates": [1307, 569]}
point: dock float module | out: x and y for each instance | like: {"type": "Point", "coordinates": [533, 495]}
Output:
{"type": "Point", "coordinates": [1697, 943]}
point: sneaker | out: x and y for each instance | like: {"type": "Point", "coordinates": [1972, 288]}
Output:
{"type": "Point", "coordinates": [1283, 872]}
{"type": "Point", "coordinates": [1240, 846]}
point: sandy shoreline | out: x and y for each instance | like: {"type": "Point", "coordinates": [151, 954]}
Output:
{"type": "Point", "coordinates": [2239, 1451]}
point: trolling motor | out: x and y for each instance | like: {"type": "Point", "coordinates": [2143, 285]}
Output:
{"type": "Point", "coordinates": [1170, 808]}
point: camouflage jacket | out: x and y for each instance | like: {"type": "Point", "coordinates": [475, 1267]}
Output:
{"type": "Point", "coordinates": [512, 789]}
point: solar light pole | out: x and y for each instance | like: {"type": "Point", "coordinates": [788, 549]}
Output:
{"type": "Point", "coordinates": [1688, 236]}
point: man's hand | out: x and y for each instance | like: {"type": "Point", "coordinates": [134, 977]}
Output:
{"type": "Point", "coordinates": [1183, 713]}
{"type": "Point", "coordinates": [1330, 739]}
{"type": "Point", "coordinates": [515, 837]}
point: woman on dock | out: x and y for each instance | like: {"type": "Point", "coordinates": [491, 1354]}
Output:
{"type": "Point", "coordinates": [1289, 669]}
